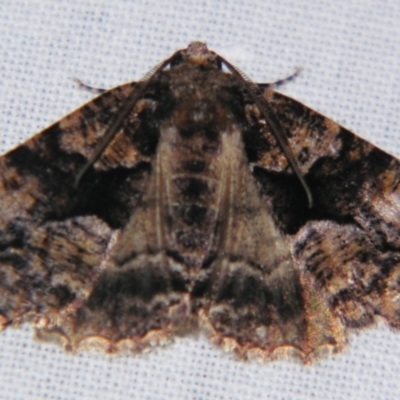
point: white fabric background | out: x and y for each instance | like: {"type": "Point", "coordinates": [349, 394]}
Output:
{"type": "Point", "coordinates": [350, 51]}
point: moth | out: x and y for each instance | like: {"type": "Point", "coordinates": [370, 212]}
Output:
{"type": "Point", "coordinates": [196, 200]}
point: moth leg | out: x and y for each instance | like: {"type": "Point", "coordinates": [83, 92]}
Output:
{"type": "Point", "coordinates": [88, 88]}
{"type": "Point", "coordinates": [281, 82]}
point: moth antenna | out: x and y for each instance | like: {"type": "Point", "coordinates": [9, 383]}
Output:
{"type": "Point", "coordinates": [281, 82]}
{"type": "Point", "coordinates": [88, 88]}
{"type": "Point", "coordinates": [272, 121]}
{"type": "Point", "coordinates": [120, 116]}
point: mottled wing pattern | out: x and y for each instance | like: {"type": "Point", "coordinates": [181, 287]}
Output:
{"type": "Point", "coordinates": [258, 302]}
{"type": "Point", "coordinates": [54, 238]}
{"type": "Point", "coordinates": [348, 244]}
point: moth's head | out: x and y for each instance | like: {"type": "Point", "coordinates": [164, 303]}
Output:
{"type": "Point", "coordinates": [196, 53]}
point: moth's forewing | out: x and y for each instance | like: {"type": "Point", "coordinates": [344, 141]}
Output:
{"type": "Point", "coordinates": [55, 237]}
{"type": "Point", "coordinates": [350, 240]}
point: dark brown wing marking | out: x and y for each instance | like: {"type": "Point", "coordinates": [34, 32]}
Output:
{"type": "Point", "coordinates": [258, 302]}
{"type": "Point", "coordinates": [54, 238]}
{"type": "Point", "coordinates": [349, 243]}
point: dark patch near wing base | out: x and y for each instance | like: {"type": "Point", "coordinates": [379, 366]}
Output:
{"type": "Point", "coordinates": [350, 239]}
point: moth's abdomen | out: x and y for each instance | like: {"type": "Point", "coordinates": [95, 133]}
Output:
{"type": "Point", "coordinates": [191, 163]}
{"type": "Point", "coordinates": [192, 219]}
{"type": "Point", "coordinates": [193, 201]}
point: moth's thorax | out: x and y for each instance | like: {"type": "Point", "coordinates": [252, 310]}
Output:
{"type": "Point", "coordinates": [189, 80]}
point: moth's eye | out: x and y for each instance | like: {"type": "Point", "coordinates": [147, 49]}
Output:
{"type": "Point", "coordinates": [178, 59]}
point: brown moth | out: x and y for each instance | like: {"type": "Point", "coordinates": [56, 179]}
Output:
{"type": "Point", "coordinates": [196, 200]}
